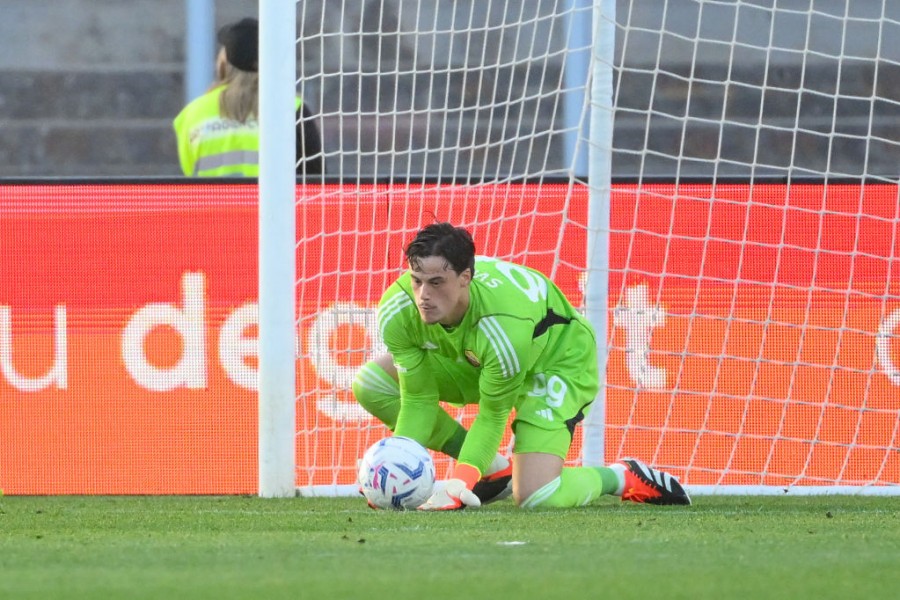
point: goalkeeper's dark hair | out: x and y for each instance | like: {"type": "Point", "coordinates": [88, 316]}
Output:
{"type": "Point", "coordinates": [453, 244]}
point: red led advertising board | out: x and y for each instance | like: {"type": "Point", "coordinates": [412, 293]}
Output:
{"type": "Point", "coordinates": [751, 328]}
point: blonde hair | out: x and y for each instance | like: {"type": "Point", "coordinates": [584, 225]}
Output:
{"type": "Point", "coordinates": [240, 98]}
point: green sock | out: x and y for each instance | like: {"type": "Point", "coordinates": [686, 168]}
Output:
{"type": "Point", "coordinates": [379, 394]}
{"type": "Point", "coordinates": [575, 486]}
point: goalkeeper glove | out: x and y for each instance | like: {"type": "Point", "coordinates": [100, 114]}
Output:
{"type": "Point", "coordinates": [456, 493]}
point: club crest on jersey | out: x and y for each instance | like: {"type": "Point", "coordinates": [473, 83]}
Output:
{"type": "Point", "coordinates": [473, 360]}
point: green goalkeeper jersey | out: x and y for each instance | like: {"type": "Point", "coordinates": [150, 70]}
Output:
{"type": "Point", "coordinates": [515, 319]}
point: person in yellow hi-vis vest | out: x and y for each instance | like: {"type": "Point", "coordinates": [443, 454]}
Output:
{"type": "Point", "coordinates": [218, 133]}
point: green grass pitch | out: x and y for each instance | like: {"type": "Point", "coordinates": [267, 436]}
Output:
{"type": "Point", "coordinates": [247, 547]}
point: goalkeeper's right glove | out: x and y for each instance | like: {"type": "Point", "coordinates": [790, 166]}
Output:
{"type": "Point", "coordinates": [457, 492]}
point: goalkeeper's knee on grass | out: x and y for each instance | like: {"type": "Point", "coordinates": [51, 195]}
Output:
{"type": "Point", "coordinates": [630, 479]}
{"type": "Point", "coordinates": [575, 486]}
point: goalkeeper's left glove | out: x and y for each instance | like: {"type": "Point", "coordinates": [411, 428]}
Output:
{"type": "Point", "coordinates": [456, 493]}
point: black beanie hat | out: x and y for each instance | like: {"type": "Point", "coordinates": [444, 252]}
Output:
{"type": "Point", "coordinates": [241, 42]}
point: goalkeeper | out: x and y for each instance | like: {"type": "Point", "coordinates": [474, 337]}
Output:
{"type": "Point", "coordinates": [469, 330]}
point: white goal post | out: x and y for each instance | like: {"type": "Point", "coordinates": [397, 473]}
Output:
{"type": "Point", "coordinates": [715, 182]}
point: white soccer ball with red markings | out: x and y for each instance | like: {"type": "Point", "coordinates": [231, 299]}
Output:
{"type": "Point", "coordinates": [396, 473]}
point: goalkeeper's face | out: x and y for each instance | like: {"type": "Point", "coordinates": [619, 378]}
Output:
{"type": "Point", "coordinates": [442, 294]}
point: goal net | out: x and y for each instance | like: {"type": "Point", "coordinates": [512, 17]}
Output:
{"type": "Point", "coordinates": [714, 182]}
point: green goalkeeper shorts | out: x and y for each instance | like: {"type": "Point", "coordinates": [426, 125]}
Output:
{"type": "Point", "coordinates": [555, 396]}
{"type": "Point", "coordinates": [557, 393]}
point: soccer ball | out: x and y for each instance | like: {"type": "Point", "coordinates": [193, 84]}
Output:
{"type": "Point", "coordinates": [396, 473]}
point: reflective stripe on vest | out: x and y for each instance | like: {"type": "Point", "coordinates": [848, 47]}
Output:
{"type": "Point", "coordinates": [234, 162]}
